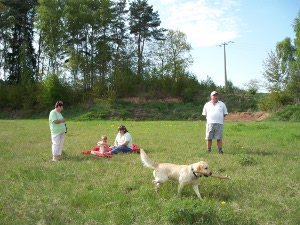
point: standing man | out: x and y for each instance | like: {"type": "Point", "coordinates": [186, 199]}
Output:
{"type": "Point", "coordinates": [58, 130]}
{"type": "Point", "coordinates": [215, 111]}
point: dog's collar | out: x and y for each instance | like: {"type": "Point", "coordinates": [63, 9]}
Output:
{"type": "Point", "coordinates": [194, 172]}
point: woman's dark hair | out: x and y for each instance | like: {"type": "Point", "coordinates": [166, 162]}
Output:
{"type": "Point", "coordinates": [59, 103]}
{"type": "Point", "coordinates": [122, 127]}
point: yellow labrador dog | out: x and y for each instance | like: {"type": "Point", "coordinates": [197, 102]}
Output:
{"type": "Point", "coordinates": [184, 174]}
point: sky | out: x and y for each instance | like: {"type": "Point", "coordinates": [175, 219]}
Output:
{"type": "Point", "coordinates": [252, 28]}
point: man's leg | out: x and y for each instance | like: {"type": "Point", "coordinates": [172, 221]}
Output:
{"type": "Point", "coordinates": [208, 145]}
{"type": "Point", "coordinates": [209, 137]}
{"type": "Point", "coordinates": [220, 145]}
{"type": "Point", "coordinates": [219, 136]}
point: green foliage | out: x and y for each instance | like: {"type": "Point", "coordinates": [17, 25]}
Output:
{"type": "Point", "coordinates": [253, 86]}
{"type": "Point", "coordinates": [293, 87]}
{"type": "Point", "coordinates": [3, 96]}
{"type": "Point", "coordinates": [51, 91]}
{"type": "Point", "coordinates": [123, 110]}
{"type": "Point", "coordinates": [150, 108]}
{"type": "Point", "coordinates": [239, 101]}
{"type": "Point", "coordinates": [188, 95]}
{"type": "Point", "coordinates": [282, 72]}
{"type": "Point", "coordinates": [17, 35]}
{"type": "Point", "coordinates": [50, 25]}
{"type": "Point", "coordinates": [19, 97]}
{"type": "Point", "coordinates": [15, 96]}
{"type": "Point", "coordinates": [103, 49]}
{"type": "Point", "coordinates": [29, 96]}
{"type": "Point", "coordinates": [144, 25]}
{"type": "Point", "coordinates": [289, 113]}
{"type": "Point", "coordinates": [96, 114]}
{"type": "Point", "coordinates": [108, 49]}
{"type": "Point", "coordinates": [274, 101]}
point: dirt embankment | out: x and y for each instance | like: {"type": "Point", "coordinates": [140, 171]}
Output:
{"type": "Point", "coordinates": [237, 116]}
{"type": "Point", "coordinates": [140, 99]}
{"type": "Point", "coordinates": [247, 116]}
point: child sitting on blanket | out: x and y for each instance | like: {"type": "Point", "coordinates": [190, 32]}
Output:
{"type": "Point", "coordinates": [103, 146]}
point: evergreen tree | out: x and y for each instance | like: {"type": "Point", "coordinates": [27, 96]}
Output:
{"type": "Point", "coordinates": [17, 34]}
{"type": "Point", "coordinates": [144, 25]}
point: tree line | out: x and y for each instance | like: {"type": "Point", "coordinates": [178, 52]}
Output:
{"type": "Point", "coordinates": [79, 50]}
{"type": "Point", "coordinates": [282, 72]}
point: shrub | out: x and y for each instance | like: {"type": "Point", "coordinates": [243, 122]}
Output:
{"type": "Point", "coordinates": [274, 101]}
{"type": "Point", "coordinates": [95, 114]}
{"type": "Point", "coordinates": [51, 90]}
{"type": "Point", "coordinates": [289, 113]}
{"type": "Point", "coordinates": [14, 96]}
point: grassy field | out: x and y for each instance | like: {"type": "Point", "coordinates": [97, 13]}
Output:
{"type": "Point", "coordinates": [262, 159]}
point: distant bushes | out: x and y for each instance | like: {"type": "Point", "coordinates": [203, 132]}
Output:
{"type": "Point", "coordinates": [124, 110]}
{"type": "Point", "coordinates": [289, 113]}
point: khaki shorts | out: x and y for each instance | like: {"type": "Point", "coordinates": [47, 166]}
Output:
{"type": "Point", "coordinates": [214, 131]}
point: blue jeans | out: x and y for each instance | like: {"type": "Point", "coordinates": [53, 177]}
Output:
{"type": "Point", "coordinates": [123, 149]}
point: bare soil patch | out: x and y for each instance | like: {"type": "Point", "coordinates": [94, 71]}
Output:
{"type": "Point", "coordinates": [247, 116]}
{"type": "Point", "coordinates": [236, 116]}
{"type": "Point", "coordinates": [141, 99]}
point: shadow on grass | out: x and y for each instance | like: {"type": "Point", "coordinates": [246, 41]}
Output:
{"type": "Point", "coordinates": [79, 157]}
{"type": "Point", "coordinates": [82, 157]}
{"type": "Point", "coordinates": [88, 157]}
{"type": "Point", "coordinates": [262, 153]}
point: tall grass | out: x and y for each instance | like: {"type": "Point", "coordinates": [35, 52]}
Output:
{"type": "Point", "coordinates": [262, 159]}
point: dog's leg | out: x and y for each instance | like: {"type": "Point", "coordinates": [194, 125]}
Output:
{"type": "Point", "coordinates": [157, 185]}
{"type": "Point", "coordinates": [180, 187]}
{"type": "Point", "coordinates": [159, 179]}
{"type": "Point", "coordinates": [196, 189]}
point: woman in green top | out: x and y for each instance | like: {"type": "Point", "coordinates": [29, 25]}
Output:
{"type": "Point", "coordinates": [58, 130]}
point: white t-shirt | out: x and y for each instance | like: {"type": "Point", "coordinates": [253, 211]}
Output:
{"type": "Point", "coordinates": [214, 113]}
{"type": "Point", "coordinates": [122, 138]}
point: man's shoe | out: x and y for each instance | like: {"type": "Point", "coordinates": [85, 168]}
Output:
{"type": "Point", "coordinates": [221, 152]}
{"type": "Point", "coordinates": [208, 151]}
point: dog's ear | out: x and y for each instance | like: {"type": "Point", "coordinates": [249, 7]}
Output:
{"type": "Point", "coordinates": [199, 166]}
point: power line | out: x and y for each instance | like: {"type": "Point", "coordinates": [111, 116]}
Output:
{"type": "Point", "coordinates": [225, 72]}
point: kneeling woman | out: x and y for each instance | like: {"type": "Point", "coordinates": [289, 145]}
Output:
{"type": "Point", "coordinates": [123, 141]}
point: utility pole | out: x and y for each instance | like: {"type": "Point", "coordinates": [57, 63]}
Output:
{"type": "Point", "coordinates": [225, 72]}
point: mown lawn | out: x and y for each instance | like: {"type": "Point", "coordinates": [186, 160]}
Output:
{"type": "Point", "coordinates": [262, 159]}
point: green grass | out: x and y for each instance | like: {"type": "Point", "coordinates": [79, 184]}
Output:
{"type": "Point", "coordinates": [262, 159]}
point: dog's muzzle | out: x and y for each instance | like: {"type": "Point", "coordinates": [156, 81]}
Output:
{"type": "Point", "coordinates": [207, 175]}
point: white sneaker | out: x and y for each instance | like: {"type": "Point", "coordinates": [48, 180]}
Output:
{"type": "Point", "coordinates": [54, 159]}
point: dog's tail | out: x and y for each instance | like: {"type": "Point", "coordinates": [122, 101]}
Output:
{"type": "Point", "coordinates": [147, 161]}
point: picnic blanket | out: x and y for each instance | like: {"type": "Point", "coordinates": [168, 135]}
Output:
{"type": "Point", "coordinates": [134, 148]}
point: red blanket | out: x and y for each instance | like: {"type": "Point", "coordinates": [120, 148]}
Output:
{"type": "Point", "coordinates": [134, 149]}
